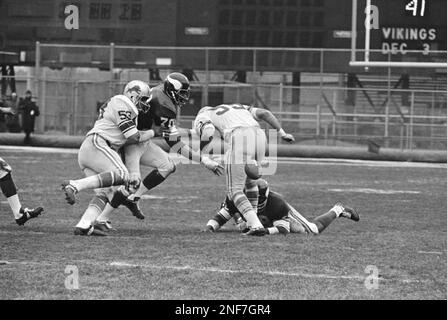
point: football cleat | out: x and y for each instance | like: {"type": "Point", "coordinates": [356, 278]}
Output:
{"type": "Point", "coordinates": [348, 212]}
{"type": "Point", "coordinates": [132, 205]}
{"type": "Point", "coordinates": [259, 232]}
{"type": "Point", "coordinates": [104, 226]}
{"type": "Point", "coordinates": [28, 214]}
{"type": "Point", "coordinates": [70, 192]}
{"type": "Point", "coordinates": [91, 231]}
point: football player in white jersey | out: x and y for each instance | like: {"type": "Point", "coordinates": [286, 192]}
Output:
{"type": "Point", "coordinates": [167, 99]}
{"type": "Point", "coordinates": [98, 157]}
{"type": "Point", "coordinates": [238, 126]}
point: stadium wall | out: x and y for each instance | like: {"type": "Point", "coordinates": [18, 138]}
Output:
{"type": "Point", "coordinates": [301, 151]}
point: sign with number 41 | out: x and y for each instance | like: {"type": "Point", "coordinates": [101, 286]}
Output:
{"type": "Point", "coordinates": [416, 5]}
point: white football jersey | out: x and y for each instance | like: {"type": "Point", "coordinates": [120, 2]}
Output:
{"type": "Point", "coordinates": [117, 120]}
{"type": "Point", "coordinates": [227, 117]}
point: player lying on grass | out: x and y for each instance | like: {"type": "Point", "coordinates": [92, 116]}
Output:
{"type": "Point", "coordinates": [278, 216]}
{"type": "Point", "coordinates": [238, 125]}
{"type": "Point", "coordinates": [9, 189]}
{"type": "Point", "coordinates": [166, 100]}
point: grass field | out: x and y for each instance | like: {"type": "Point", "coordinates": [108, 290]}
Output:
{"type": "Point", "coordinates": [402, 231]}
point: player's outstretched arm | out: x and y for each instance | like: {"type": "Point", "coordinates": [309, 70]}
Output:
{"type": "Point", "coordinates": [268, 117]}
{"type": "Point", "coordinates": [174, 141]}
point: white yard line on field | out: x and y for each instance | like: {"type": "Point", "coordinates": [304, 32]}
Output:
{"type": "Point", "coordinates": [373, 191]}
{"type": "Point", "coordinates": [123, 264]}
{"type": "Point", "coordinates": [430, 252]}
{"type": "Point", "coordinates": [20, 232]}
{"type": "Point", "coordinates": [261, 272]}
{"type": "Point", "coordinates": [218, 270]}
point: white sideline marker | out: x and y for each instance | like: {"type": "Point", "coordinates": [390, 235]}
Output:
{"type": "Point", "coordinates": [269, 273]}
{"type": "Point", "coordinates": [39, 149]}
{"type": "Point", "coordinates": [430, 252]}
{"type": "Point", "coordinates": [374, 191]}
{"type": "Point", "coordinates": [217, 270]}
{"type": "Point", "coordinates": [122, 264]}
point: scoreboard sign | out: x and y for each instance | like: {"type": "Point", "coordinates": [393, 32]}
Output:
{"type": "Point", "coordinates": [406, 25]}
{"type": "Point", "coordinates": [400, 40]}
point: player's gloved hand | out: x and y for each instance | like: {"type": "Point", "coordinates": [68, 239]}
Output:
{"type": "Point", "coordinates": [286, 136]}
{"type": "Point", "coordinates": [241, 225]}
{"type": "Point", "coordinates": [134, 182]}
{"type": "Point", "coordinates": [213, 166]}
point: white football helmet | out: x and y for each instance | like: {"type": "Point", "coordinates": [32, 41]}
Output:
{"type": "Point", "coordinates": [139, 93]}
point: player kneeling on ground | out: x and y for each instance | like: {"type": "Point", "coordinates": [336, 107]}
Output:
{"type": "Point", "coordinates": [9, 189]}
{"type": "Point", "coordinates": [278, 216]}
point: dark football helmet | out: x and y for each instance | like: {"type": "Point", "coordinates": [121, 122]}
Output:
{"type": "Point", "coordinates": [176, 86]}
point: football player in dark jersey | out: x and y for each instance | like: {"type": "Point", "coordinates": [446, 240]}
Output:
{"type": "Point", "coordinates": [165, 100]}
{"type": "Point", "coordinates": [278, 216]}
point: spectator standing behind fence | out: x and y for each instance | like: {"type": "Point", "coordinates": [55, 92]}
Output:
{"type": "Point", "coordinates": [29, 111]}
{"type": "Point", "coordinates": [12, 119]}
{"type": "Point", "coordinates": [2, 115]}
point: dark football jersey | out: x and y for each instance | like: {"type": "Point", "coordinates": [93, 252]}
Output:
{"type": "Point", "coordinates": [276, 207]}
{"type": "Point", "coordinates": [270, 204]}
{"type": "Point", "coordinates": [162, 112]}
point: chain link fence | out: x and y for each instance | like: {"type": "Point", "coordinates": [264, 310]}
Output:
{"type": "Point", "coordinates": [328, 107]}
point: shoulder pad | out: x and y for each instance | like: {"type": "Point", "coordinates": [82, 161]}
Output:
{"type": "Point", "coordinates": [161, 100]}
{"type": "Point", "coordinates": [127, 101]}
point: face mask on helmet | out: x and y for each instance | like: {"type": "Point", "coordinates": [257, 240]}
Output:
{"type": "Point", "coordinates": [183, 96]}
{"type": "Point", "coordinates": [177, 87]}
{"type": "Point", "coordinates": [143, 103]}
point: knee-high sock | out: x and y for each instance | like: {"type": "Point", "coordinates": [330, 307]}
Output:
{"type": "Point", "coordinates": [324, 220]}
{"type": "Point", "coordinates": [10, 191]}
{"type": "Point", "coordinates": [106, 213]}
{"type": "Point", "coordinates": [222, 217]}
{"type": "Point", "coordinates": [252, 193]}
{"type": "Point", "coordinates": [94, 209]}
{"type": "Point", "coordinates": [244, 207]}
{"type": "Point", "coordinates": [102, 180]}
{"type": "Point", "coordinates": [153, 179]}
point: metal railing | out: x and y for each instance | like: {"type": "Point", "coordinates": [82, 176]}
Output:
{"type": "Point", "coordinates": [321, 110]}
{"type": "Point", "coordinates": [405, 119]}
{"type": "Point", "coordinates": [204, 60]}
